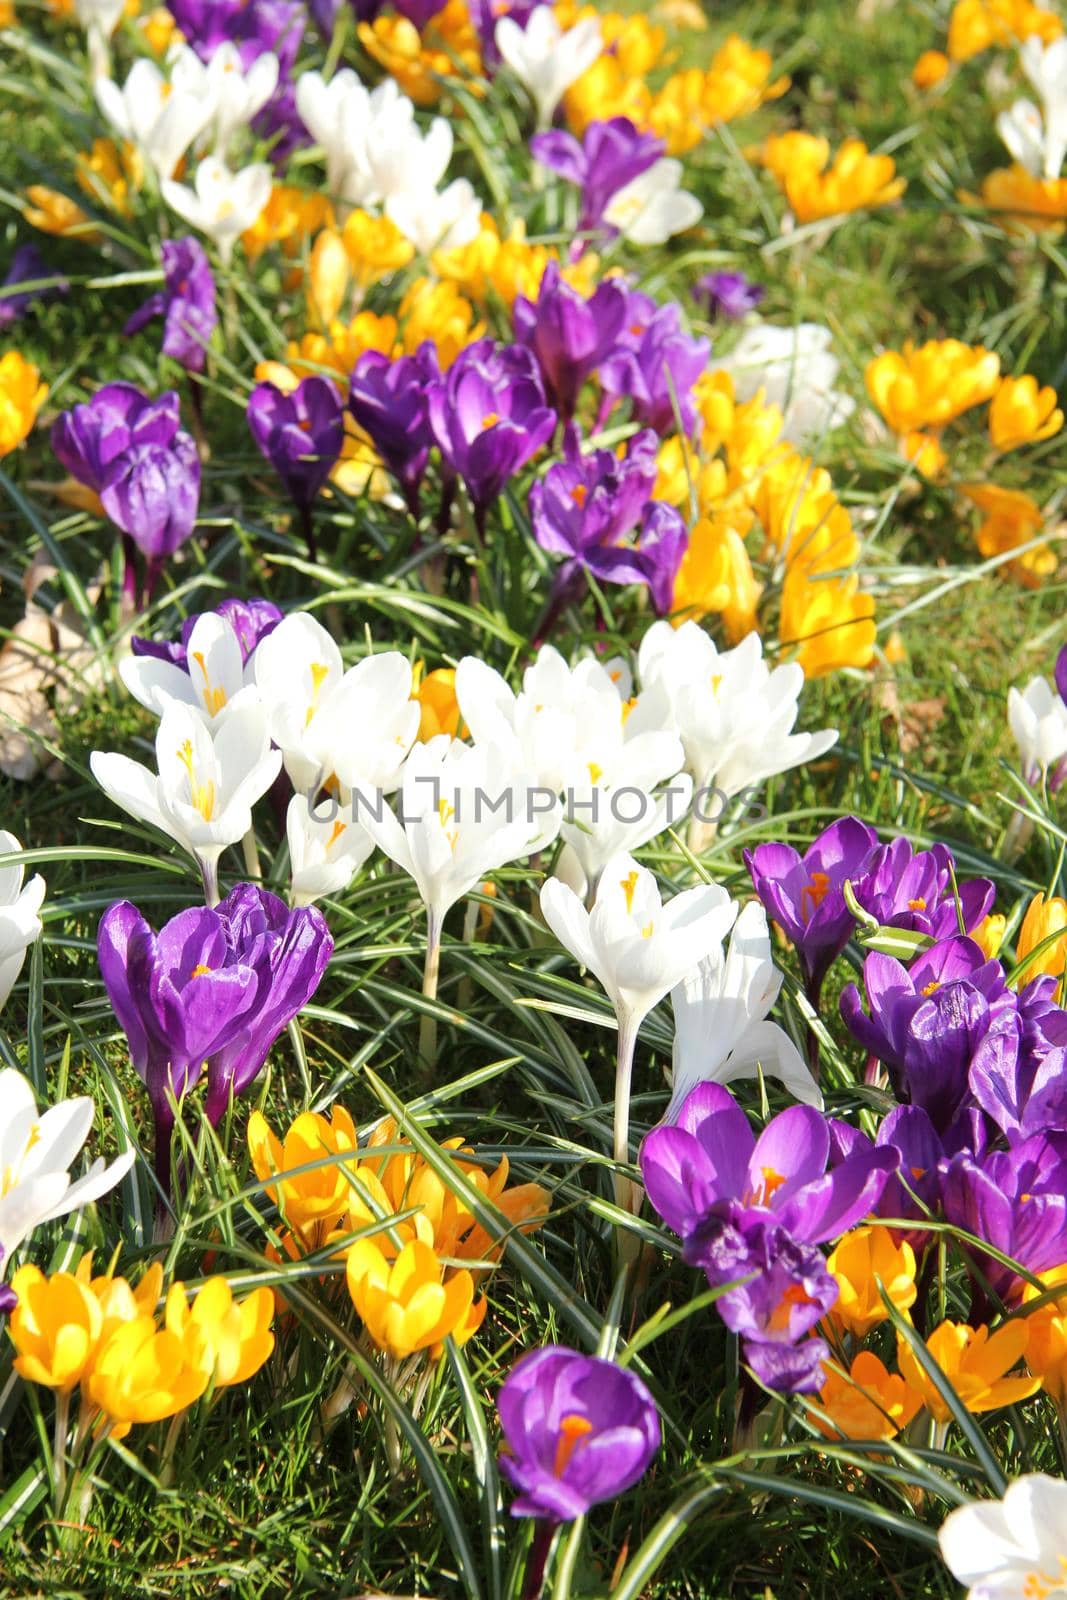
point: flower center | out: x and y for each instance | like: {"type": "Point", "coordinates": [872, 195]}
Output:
{"type": "Point", "coordinates": [199, 971]}
{"type": "Point", "coordinates": [579, 495]}
{"type": "Point", "coordinates": [928, 988]}
{"type": "Point", "coordinates": [201, 795]}
{"type": "Point", "coordinates": [794, 1296]}
{"type": "Point", "coordinates": [1042, 1586]}
{"type": "Point", "coordinates": [338, 829]}
{"type": "Point", "coordinates": [595, 772]}
{"type": "Point", "coordinates": [917, 905]}
{"type": "Point", "coordinates": [214, 698]}
{"type": "Point", "coordinates": [445, 811]}
{"type": "Point", "coordinates": [490, 420]}
{"type": "Point", "coordinates": [628, 885]}
{"type": "Point", "coordinates": [814, 893]}
{"type": "Point", "coordinates": [572, 1430]}
{"type": "Point", "coordinates": [12, 1173]}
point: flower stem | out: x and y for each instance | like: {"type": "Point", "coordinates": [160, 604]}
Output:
{"type": "Point", "coordinates": [251, 856]}
{"type": "Point", "coordinates": [209, 871]}
{"type": "Point", "coordinates": [537, 1560]}
{"type": "Point", "coordinates": [627, 1195]}
{"type": "Point", "coordinates": [430, 975]}
{"type": "Point", "coordinates": [60, 1430]}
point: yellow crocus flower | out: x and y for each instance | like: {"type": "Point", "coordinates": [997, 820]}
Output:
{"type": "Point", "coordinates": [862, 1258]}
{"type": "Point", "coordinates": [142, 1373]}
{"type": "Point", "coordinates": [436, 694]}
{"type": "Point", "coordinates": [867, 1402]}
{"type": "Point", "coordinates": [928, 385]}
{"type": "Point", "coordinates": [236, 1334]}
{"type": "Point", "coordinates": [327, 276]}
{"type": "Point", "coordinates": [1011, 519]}
{"type": "Point", "coordinates": [827, 622]}
{"type": "Point", "coordinates": [311, 1202]}
{"type": "Point", "coordinates": [375, 247]}
{"type": "Point", "coordinates": [55, 1327]}
{"type": "Point", "coordinates": [1046, 1348]}
{"type": "Point", "coordinates": [975, 1362]}
{"type": "Point", "coordinates": [438, 312]}
{"type": "Point", "coordinates": [407, 1306]}
{"type": "Point", "coordinates": [52, 212]}
{"type": "Point", "coordinates": [1023, 413]}
{"type": "Point", "coordinates": [22, 395]}
{"type": "Point", "coordinates": [1043, 917]}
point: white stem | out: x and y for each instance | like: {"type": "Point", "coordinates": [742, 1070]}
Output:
{"type": "Point", "coordinates": [209, 871]}
{"type": "Point", "coordinates": [430, 975]}
{"type": "Point", "coordinates": [251, 855]}
{"type": "Point", "coordinates": [624, 1188]}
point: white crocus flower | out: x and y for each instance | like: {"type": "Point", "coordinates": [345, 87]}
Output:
{"type": "Point", "coordinates": [395, 157]}
{"type": "Point", "coordinates": [720, 1010]}
{"type": "Point", "coordinates": [326, 849]}
{"type": "Point", "coordinates": [437, 221]}
{"type": "Point", "coordinates": [573, 728]}
{"type": "Point", "coordinates": [733, 713]}
{"type": "Point", "coordinates": [1023, 132]}
{"type": "Point", "coordinates": [335, 728]}
{"type": "Point", "coordinates": [239, 93]}
{"type": "Point", "coordinates": [463, 813]}
{"type": "Point", "coordinates": [222, 203]}
{"type": "Point", "coordinates": [1038, 721]}
{"type": "Point", "coordinates": [1046, 67]}
{"type": "Point", "coordinates": [546, 58]}
{"type": "Point", "coordinates": [335, 114]}
{"type": "Point", "coordinates": [653, 206]}
{"type": "Point", "coordinates": [36, 1150]}
{"type": "Point", "coordinates": [638, 949]}
{"type": "Point", "coordinates": [160, 116]}
{"type": "Point", "coordinates": [99, 18]}
{"type": "Point", "coordinates": [215, 673]}
{"type": "Point", "coordinates": [1011, 1549]}
{"type": "Point", "coordinates": [207, 782]}
{"type": "Point", "coordinates": [796, 370]}
{"type": "Point", "coordinates": [20, 924]}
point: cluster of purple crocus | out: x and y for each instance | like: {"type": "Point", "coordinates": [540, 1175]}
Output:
{"type": "Point", "coordinates": [752, 1214]}
{"type": "Point", "coordinates": [255, 27]}
{"type": "Point", "coordinates": [186, 303]}
{"type": "Point", "coordinates": [131, 451]}
{"type": "Point", "coordinates": [208, 995]}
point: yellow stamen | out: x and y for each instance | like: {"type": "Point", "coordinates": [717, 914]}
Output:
{"type": "Point", "coordinates": [338, 829]}
{"type": "Point", "coordinates": [319, 674]}
{"type": "Point", "coordinates": [628, 885]}
{"type": "Point", "coordinates": [490, 420]}
{"type": "Point", "coordinates": [214, 699]}
{"type": "Point", "coordinates": [595, 772]}
{"type": "Point", "coordinates": [794, 1296]}
{"type": "Point", "coordinates": [201, 795]}
{"type": "Point", "coordinates": [814, 893]}
{"type": "Point", "coordinates": [579, 495]}
{"type": "Point", "coordinates": [929, 988]}
{"type": "Point", "coordinates": [200, 971]}
{"type": "Point", "coordinates": [917, 905]}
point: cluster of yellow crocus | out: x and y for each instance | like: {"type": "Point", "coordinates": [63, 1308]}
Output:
{"type": "Point", "coordinates": [436, 694]}
{"type": "Point", "coordinates": [921, 389]}
{"type": "Point", "coordinates": [687, 104]}
{"type": "Point", "coordinates": [815, 187]}
{"type": "Point", "coordinates": [422, 63]}
{"type": "Point", "coordinates": [1044, 917]}
{"type": "Point", "coordinates": [1027, 203]}
{"type": "Point", "coordinates": [351, 259]}
{"type": "Point", "coordinates": [862, 1398]}
{"type": "Point", "coordinates": [72, 1330]}
{"type": "Point", "coordinates": [411, 1273]}
{"type": "Point", "coordinates": [976, 25]}
{"type": "Point", "coordinates": [745, 477]}
{"type": "Point", "coordinates": [108, 173]}
{"type": "Point", "coordinates": [22, 394]}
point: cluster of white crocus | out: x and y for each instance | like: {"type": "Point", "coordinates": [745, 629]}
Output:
{"type": "Point", "coordinates": [36, 1150]}
{"type": "Point", "coordinates": [546, 58]}
{"type": "Point", "coordinates": [1037, 136]}
{"type": "Point", "coordinates": [1037, 717]}
{"type": "Point", "coordinates": [377, 157]}
{"type": "Point", "coordinates": [797, 370]}
{"type": "Point", "coordinates": [653, 207]}
{"type": "Point", "coordinates": [164, 114]}
{"type": "Point", "coordinates": [20, 923]}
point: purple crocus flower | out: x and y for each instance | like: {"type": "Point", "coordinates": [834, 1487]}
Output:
{"type": "Point", "coordinates": [926, 1022]}
{"type": "Point", "coordinates": [805, 894]}
{"type": "Point", "coordinates": [300, 434]}
{"type": "Point", "coordinates": [89, 437]}
{"type": "Point", "coordinates": [214, 988]}
{"type": "Point", "coordinates": [663, 542]}
{"type": "Point", "coordinates": [904, 888]}
{"type": "Point", "coordinates": [569, 335]}
{"type": "Point", "coordinates": [152, 493]}
{"type": "Point", "coordinates": [913, 1191]}
{"type": "Point", "coordinates": [251, 620]}
{"type": "Point", "coordinates": [489, 417]}
{"type": "Point", "coordinates": [788, 1292]}
{"type": "Point", "coordinates": [728, 294]}
{"type": "Point", "coordinates": [418, 12]}
{"type": "Point", "coordinates": [578, 1430]}
{"type": "Point", "coordinates": [280, 124]}
{"type": "Point", "coordinates": [388, 400]}
{"type": "Point", "coordinates": [186, 303]}
{"type": "Point", "coordinates": [1015, 1200]}
{"type": "Point", "coordinates": [27, 266]}
{"type": "Point", "coordinates": [611, 155]}
{"type": "Point", "coordinates": [1019, 1072]}
{"type": "Point", "coordinates": [254, 26]}
{"type": "Point", "coordinates": [586, 504]}
{"type": "Point", "coordinates": [656, 365]}
{"type": "Point", "coordinates": [324, 15]}
{"type": "Point", "coordinates": [709, 1167]}
{"type": "Point", "coordinates": [1060, 674]}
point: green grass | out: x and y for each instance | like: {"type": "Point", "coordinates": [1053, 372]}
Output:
{"type": "Point", "coordinates": [253, 1499]}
